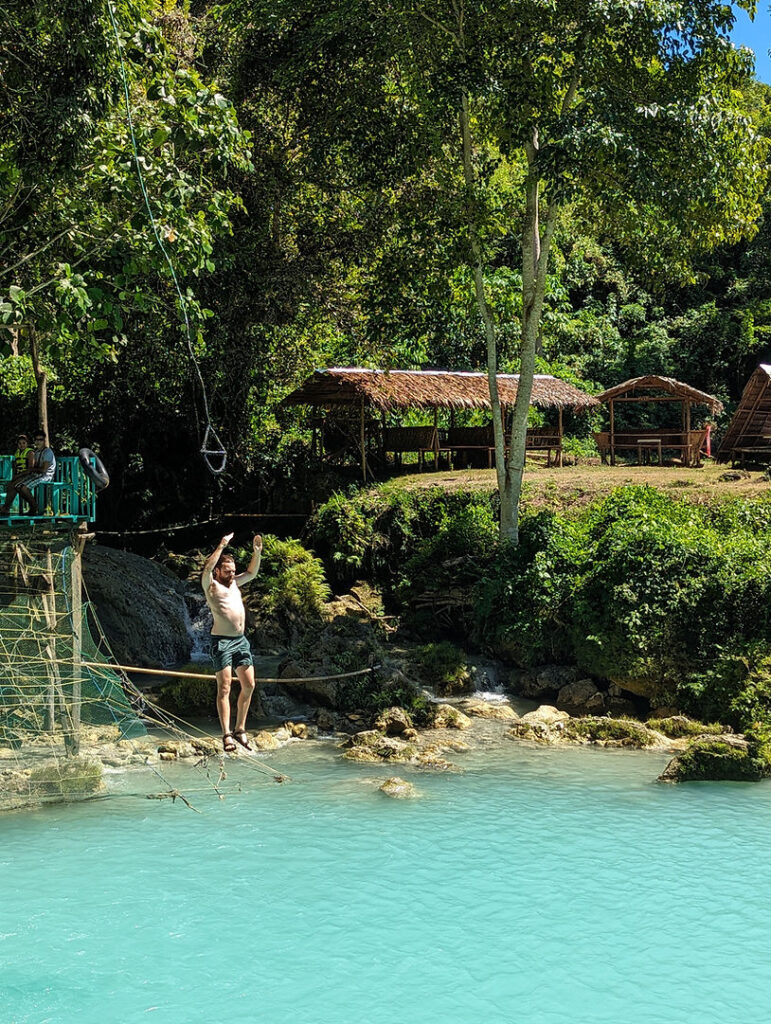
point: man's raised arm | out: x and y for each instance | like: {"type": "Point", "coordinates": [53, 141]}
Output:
{"type": "Point", "coordinates": [254, 565]}
{"type": "Point", "coordinates": [212, 560]}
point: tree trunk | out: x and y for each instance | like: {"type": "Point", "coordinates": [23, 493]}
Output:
{"type": "Point", "coordinates": [482, 305]}
{"type": "Point", "coordinates": [41, 377]}
{"type": "Point", "coordinates": [535, 257]}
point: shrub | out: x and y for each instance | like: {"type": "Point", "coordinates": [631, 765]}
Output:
{"type": "Point", "coordinates": [291, 582]}
{"type": "Point", "coordinates": [442, 665]}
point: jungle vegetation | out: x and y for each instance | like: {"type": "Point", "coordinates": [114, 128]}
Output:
{"type": "Point", "coordinates": [579, 188]}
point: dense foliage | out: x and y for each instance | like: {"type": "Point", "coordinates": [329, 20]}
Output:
{"type": "Point", "coordinates": [664, 597]}
{"type": "Point", "coordinates": [302, 168]}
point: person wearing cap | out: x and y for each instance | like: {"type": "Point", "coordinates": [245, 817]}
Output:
{"type": "Point", "coordinates": [42, 470]}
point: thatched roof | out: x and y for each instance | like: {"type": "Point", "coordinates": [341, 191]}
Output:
{"type": "Point", "coordinates": [637, 387]}
{"type": "Point", "coordinates": [752, 420]}
{"type": "Point", "coordinates": [428, 389]}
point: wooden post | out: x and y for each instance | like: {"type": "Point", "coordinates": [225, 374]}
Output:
{"type": "Point", "coordinates": [382, 440]}
{"type": "Point", "coordinates": [76, 604]}
{"type": "Point", "coordinates": [49, 647]}
{"type": "Point", "coordinates": [612, 435]}
{"type": "Point", "coordinates": [688, 433]}
{"type": "Point", "coordinates": [363, 441]}
{"type": "Point", "coordinates": [560, 433]}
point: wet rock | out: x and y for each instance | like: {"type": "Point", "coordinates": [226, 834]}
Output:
{"type": "Point", "coordinates": [718, 758]}
{"type": "Point", "coordinates": [204, 747]}
{"type": "Point", "coordinates": [544, 725]}
{"type": "Point", "coordinates": [476, 708]}
{"type": "Point", "coordinates": [167, 755]}
{"type": "Point", "coordinates": [544, 681]}
{"type": "Point", "coordinates": [371, 745]}
{"type": "Point", "coordinates": [448, 717]}
{"type": "Point", "coordinates": [264, 740]}
{"type": "Point", "coordinates": [297, 730]}
{"type": "Point", "coordinates": [141, 607]}
{"type": "Point", "coordinates": [398, 789]}
{"type": "Point", "coordinates": [582, 696]}
{"type": "Point", "coordinates": [178, 748]}
{"type": "Point", "coordinates": [613, 732]}
{"type": "Point", "coordinates": [325, 720]}
{"type": "Point", "coordinates": [734, 474]}
{"type": "Point", "coordinates": [393, 722]}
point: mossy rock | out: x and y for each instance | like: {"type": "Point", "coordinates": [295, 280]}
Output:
{"type": "Point", "coordinates": [729, 758]}
{"type": "Point", "coordinates": [677, 726]}
{"type": "Point", "coordinates": [621, 732]}
{"type": "Point", "coordinates": [74, 779]}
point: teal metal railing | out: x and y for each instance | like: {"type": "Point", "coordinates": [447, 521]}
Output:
{"type": "Point", "coordinates": [69, 497]}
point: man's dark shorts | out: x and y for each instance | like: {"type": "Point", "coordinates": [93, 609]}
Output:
{"type": "Point", "coordinates": [230, 650]}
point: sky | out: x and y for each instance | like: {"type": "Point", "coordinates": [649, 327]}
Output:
{"type": "Point", "coordinates": [757, 35]}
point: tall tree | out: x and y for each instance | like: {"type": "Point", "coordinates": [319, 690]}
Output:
{"type": "Point", "coordinates": [631, 109]}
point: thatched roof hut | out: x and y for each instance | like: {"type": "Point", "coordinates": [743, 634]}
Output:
{"type": "Point", "coordinates": [387, 390]}
{"type": "Point", "coordinates": [660, 389]}
{"type": "Point", "coordinates": [652, 389]}
{"type": "Point", "coordinates": [750, 426]}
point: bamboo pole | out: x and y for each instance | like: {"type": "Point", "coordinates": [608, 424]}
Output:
{"type": "Point", "coordinates": [560, 433]}
{"type": "Point", "coordinates": [612, 435]}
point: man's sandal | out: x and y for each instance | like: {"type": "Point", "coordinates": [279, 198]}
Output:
{"type": "Point", "coordinates": [241, 736]}
{"type": "Point", "coordinates": [227, 743]}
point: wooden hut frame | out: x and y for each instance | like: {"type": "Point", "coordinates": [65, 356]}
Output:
{"type": "Point", "coordinates": [384, 391]}
{"type": "Point", "coordinates": [652, 389]}
{"type": "Point", "coordinates": [749, 432]}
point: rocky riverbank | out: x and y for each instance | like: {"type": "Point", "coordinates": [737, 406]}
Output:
{"type": "Point", "coordinates": [389, 739]}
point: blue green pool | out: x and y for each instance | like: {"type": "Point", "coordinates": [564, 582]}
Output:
{"type": "Point", "coordinates": [558, 886]}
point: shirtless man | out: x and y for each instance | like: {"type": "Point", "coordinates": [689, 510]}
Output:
{"type": "Point", "coordinates": [229, 646]}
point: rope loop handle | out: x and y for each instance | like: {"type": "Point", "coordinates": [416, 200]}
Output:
{"type": "Point", "coordinates": [210, 437]}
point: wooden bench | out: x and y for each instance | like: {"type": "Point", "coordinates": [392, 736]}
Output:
{"type": "Point", "coordinates": [458, 440]}
{"type": "Point", "coordinates": [688, 443]}
{"type": "Point", "coordinates": [421, 440]}
{"type": "Point", "coordinates": [751, 454]}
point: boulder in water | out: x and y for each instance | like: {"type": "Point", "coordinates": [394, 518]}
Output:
{"type": "Point", "coordinates": [398, 789]}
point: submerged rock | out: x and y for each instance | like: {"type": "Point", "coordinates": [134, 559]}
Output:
{"type": "Point", "coordinates": [371, 746]}
{"type": "Point", "coordinates": [718, 758]}
{"type": "Point", "coordinates": [544, 725]}
{"type": "Point", "coordinates": [398, 789]}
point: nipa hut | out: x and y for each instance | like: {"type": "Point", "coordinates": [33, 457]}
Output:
{"type": "Point", "coordinates": [654, 389]}
{"type": "Point", "coordinates": [388, 391]}
{"type": "Point", "coordinates": [749, 432]}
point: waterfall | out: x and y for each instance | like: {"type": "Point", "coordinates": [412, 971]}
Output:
{"type": "Point", "coordinates": [198, 622]}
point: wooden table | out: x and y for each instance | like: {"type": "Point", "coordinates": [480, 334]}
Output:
{"type": "Point", "coordinates": [647, 445]}
{"type": "Point", "coordinates": [756, 455]}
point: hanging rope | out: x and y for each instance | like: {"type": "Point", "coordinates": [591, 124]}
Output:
{"type": "Point", "coordinates": [212, 449]}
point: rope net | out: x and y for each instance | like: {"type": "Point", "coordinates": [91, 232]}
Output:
{"type": "Point", "coordinates": [65, 708]}
{"type": "Point", "coordinates": [49, 701]}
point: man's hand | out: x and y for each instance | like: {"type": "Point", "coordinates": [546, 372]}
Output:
{"type": "Point", "coordinates": [257, 543]}
{"type": "Point", "coordinates": [226, 540]}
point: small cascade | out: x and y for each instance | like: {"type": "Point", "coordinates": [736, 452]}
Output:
{"type": "Point", "coordinates": [488, 679]}
{"type": "Point", "coordinates": [198, 621]}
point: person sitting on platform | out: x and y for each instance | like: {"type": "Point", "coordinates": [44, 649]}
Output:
{"type": "Point", "coordinates": [42, 470]}
{"type": "Point", "coordinates": [23, 460]}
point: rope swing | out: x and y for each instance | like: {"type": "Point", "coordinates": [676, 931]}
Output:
{"type": "Point", "coordinates": [213, 451]}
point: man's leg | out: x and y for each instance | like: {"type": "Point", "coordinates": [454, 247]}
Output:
{"type": "Point", "coordinates": [26, 494]}
{"type": "Point", "coordinates": [223, 698]}
{"type": "Point", "coordinates": [245, 675]}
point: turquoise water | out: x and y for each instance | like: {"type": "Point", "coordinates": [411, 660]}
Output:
{"type": "Point", "coordinates": [538, 886]}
